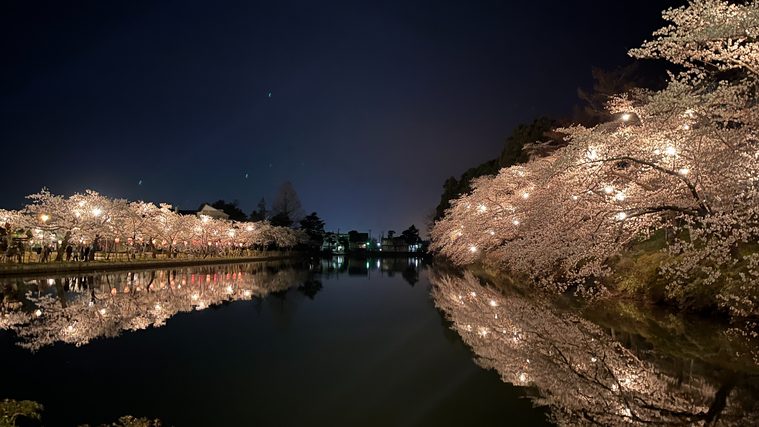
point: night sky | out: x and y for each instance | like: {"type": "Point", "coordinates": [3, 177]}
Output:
{"type": "Point", "coordinates": [373, 104]}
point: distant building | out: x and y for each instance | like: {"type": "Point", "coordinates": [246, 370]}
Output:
{"type": "Point", "coordinates": [207, 210]}
{"type": "Point", "coordinates": [334, 242]}
{"type": "Point", "coordinates": [357, 240]}
{"type": "Point", "coordinates": [394, 244]}
{"type": "Point", "coordinates": [340, 243]}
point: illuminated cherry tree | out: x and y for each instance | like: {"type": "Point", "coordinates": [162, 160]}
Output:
{"type": "Point", "coordinates": [102, 223]}
{"type": "Point", "coordinates": [684, 160]}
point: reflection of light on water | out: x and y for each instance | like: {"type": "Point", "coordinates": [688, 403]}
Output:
{"type": "Point", "coordinates": [131, 302]}
{"type": "Point", "coordinates": [550, 352]}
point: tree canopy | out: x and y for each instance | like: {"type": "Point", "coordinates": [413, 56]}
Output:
{"type": "Point", "coordinates": [411, 235]}
{"type": "Point", "coordinates": [91, 218]}
{"type": "Point", "coordinates": [231, 209]}
{"type": "Point", "coordinates": [313, 226]}
{"type": "Point", "coordinates": [511, 154]}
{"type": "Point", "coordinates": [682, 159]}
{"type": "Point", "coordinates": [287, 204]}
{"type": "Point", "coordinates": [260, 213]}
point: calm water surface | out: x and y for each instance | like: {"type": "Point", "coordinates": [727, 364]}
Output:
{"type": "Point", "coordinates": [326, 343]}
{"type": "Point", "coordinates": [347, 342]}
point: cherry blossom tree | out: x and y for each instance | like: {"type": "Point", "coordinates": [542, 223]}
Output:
{"type": "Point", "coordinates": [95, 220]}
{"type": "Point", "coordinates": [683, 160]}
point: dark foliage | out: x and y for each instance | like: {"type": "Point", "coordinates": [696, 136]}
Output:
{"type": "Point", "coordinates": [231, 209]}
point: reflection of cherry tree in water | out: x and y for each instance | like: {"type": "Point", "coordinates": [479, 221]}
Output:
{"type": "Point", "coordinates": [130, 301]}
{"type": "Point", "coordinates": [582, 374]}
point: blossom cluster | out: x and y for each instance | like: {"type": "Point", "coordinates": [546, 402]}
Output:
{"type": "Point", "coordinates": [91, 219]}
{"type": "Point", "coordinates": [683, 161]}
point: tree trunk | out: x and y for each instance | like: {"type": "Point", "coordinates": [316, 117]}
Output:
{"type": "Point", "coordinates": [720, 399]}
{"type": "Point", "coordinates": [62, 247]}
{"type": "Point", "coordinates": [94, 245]}
{"type": "Point", "coordinates": [61, 292]}
{"type": "Point", "coordinates": [670, 232]}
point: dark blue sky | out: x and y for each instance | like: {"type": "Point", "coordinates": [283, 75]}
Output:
{"type": "Point", "coordinates": [373, 104]}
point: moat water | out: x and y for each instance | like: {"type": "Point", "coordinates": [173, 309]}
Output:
{"type": "Point", "coordinates": [347, 342]}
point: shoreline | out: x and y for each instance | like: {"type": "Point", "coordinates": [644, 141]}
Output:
{"type": "Point", "coordinates": [95, 266]}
